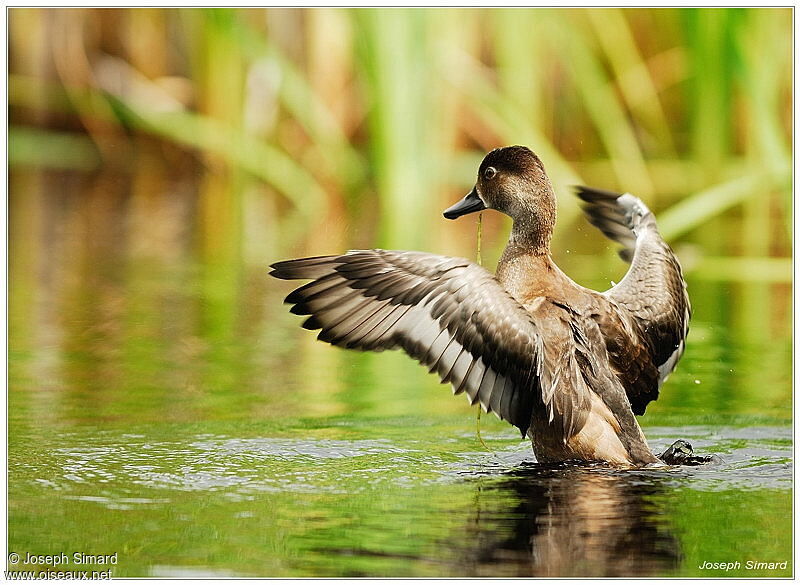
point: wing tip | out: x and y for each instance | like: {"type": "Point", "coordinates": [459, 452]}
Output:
{"type": "Point", "coordinates": [279, 270]}
{"type": "Point", "coordinates": [312, 323]}
{"type": "Point", "coordinates": [593, 194]}
{"type": "Point", "coordinates": [301, 268]}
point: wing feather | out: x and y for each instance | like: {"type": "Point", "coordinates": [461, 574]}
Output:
{"type": "Point", "coordinates": [651, 302]}
{"type": "Point", "coordinates": [442, 311]}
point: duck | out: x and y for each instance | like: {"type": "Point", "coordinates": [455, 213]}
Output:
{"type": "Point", "coordinates": [568, 366]}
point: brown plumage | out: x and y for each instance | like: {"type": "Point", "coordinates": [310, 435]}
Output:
{"type": "Point", "coordinates": [566, 365]}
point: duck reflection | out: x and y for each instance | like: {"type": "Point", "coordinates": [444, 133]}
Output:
{"type": "Point", "coordinates": [569, 522]}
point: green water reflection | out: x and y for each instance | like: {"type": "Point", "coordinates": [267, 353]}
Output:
{"type": "Point", "coordinates": [173, 412]}
{"type": "Point", "coordinates": [383, 497]}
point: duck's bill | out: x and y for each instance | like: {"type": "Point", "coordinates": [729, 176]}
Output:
{"type": "Point", "coordinates": [469, 204]}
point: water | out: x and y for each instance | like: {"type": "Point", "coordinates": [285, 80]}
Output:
{"type": "Point", "coordinates": [171, 411]}
{"type": "Point", "coordinates": [417, 498]}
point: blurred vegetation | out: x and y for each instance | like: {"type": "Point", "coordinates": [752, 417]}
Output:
{"type": "Point", "coordinates": [235, 137]}
{"type": "Point", "coordinates": [333, 109]}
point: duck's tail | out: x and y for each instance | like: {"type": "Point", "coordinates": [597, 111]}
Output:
{"type": "Point", "coordinates": [621, 217]}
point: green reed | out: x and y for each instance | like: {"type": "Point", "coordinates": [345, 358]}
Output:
{"type": "Point", "coordinates": [367, 114]}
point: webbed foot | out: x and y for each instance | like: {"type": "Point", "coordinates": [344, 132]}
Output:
{"type": "Point", "coordinates": [681, 453]}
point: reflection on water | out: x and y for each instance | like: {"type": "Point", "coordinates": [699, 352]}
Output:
{"type": "Point", "coordinates": [571, 522]}
{"type": "Point", "coordinates": [165, 405]}
{"type": "Point", "coordinates": [398, 506]}
{"type": "Point", "coordinates": [536, 520]}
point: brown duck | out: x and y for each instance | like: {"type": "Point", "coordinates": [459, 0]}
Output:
{"type": "Point", "coordinates": [568, 366]}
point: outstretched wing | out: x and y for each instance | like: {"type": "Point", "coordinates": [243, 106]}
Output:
{"type": "Point", "coordinates": [652, 293]}
{"type": "Point", "coordinates": [448, 313]}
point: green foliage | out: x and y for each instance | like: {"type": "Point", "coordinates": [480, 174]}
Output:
{"type": "Point", "coordinates": [370, 120]}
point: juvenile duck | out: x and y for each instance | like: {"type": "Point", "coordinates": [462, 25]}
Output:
{"type": "Point", "coordinates": [566, 365]}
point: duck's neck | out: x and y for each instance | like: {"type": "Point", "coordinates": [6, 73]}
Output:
{"type": "Point", "coordinates": [526, 268]}
{"type": "Point", "coordinates": [534, 222]}
{"type": "Point", "coordinates": [527, 276]}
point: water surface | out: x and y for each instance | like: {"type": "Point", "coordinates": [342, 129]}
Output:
{"type": "Point", "coordinates": [166, 407]}
{"type": "Point", "coordinates": [391, 497]}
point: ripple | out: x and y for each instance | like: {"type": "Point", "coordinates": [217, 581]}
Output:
{"type": "Point", "coordinates": [752, 458]}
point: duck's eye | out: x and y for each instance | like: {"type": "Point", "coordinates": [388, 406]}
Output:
{"type": "Point", "coordinates": [489, 173]}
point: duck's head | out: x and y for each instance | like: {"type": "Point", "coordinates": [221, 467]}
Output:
{"type": "Point", "coordinates": [511, 180]}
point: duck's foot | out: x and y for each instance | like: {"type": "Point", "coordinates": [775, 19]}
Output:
{"type": "Point", "coordinates": [681, 453]}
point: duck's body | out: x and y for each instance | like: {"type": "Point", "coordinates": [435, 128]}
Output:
{"type": "Point", "coordinates": [567, 365]}
{"type": "Point", "coordinates": [568, 317]}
